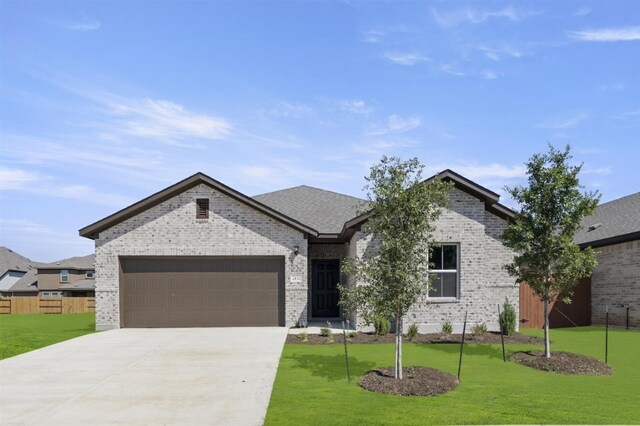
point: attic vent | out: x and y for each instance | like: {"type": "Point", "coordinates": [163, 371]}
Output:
{"type": "Point", "coordinates": [595, 226]}
{"type": "Point", "coordinates": [202, 208]}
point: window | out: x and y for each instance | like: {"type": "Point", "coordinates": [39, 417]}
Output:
{"type": "Point", "coordinates": [51, 294]}
{"type": "Point", "coordinates": [89, 274]}
{"type": "Point", "coordinates": [64, 275]}
{"type": "Point", "coordinates": [443, 265]}
{"type": "Point", "coordinates": [202, 208]}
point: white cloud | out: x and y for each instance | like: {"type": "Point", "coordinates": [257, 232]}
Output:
{"type": "Point", "coordinates": [290, 110]}
{"type": "Point", "coordinates": [15, 178]}
{"type": "Point", "coordinates": [396, 124]}
{"type": "Point", "coordinates": [488, 74]}
{"type": "Point", "coordinates": [473, 16]}
{"type": "Point", "coordinates": [476, 171]}
{"type": "Point", "coordinates": [452, 70]}
{"type": "Point", "coordinates": [564, 123]}
{"type": "Point", "coordinates": [84, 24]}
{"type": "Point", "coordinates": [165, 120]}
{"type": "Point", "coordinates": [498, 53]}
{"type": "Point", "coordinates": [355, 106]}
{"type": "Point", "coordinates": [583, 11]}
{"type": "Point", "coordinates": [607, 34]}
{"type": "Point", "coordinates": [630, 115]}
{"type": "Point", "coordinates": [405, 58]}
{"type": "Point", "coordinates": [373, 36]}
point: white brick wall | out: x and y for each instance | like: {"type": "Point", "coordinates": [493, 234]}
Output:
{"type": "Point", "coordinates": [616, 283]}
{"type": "Point", "coordinates": [483, 282]}
{"type": "Point", "coordinates": [171, 229]}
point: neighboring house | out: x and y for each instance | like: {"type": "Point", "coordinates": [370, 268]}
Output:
{"type": "Point", "coordinates": [614, 231]}
{"type": "Point", "coordinates": [200, 253]}
{"type": "Point", "coordinates": [12, 267]}
{"type": "Point", "coordinates": [73, 277]}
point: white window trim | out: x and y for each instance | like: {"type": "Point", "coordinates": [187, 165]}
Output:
{"type": "Point", "coordinates": [92, 273]}
{"type": "Point", "coordinates": [450, 271]}
{"type": "Point", "coordinates": [67, 274]}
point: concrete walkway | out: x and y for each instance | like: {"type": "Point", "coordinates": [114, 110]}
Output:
{"type": "Point", "coordinates": [145, 376]}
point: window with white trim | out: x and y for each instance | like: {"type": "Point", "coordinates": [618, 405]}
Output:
{"type": "Point", "coordinates": [64, 275]}
{"type": "Point", "coordinates": [443, 266]}
{"type": "Point", "coordinates": [89, 274]}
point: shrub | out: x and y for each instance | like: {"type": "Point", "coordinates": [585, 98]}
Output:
{"type": "Point", "coordinates": [326, 332]}
{"type": "Point", "coordinates": [447, 328]}
{"type": "Point", "coordinates": [352, 334]}
{"type": "Point", "coordinates": [479, 329]}
{"type": "Point", "coordinates": [382, 326]}
{"type": "Point", "coordinates": [412, 331]}
{"type": "Point", "coordinates": [303, 336]}
{"type": "Point", "coordinates": [508, 318]}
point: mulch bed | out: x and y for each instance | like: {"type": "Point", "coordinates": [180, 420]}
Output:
{"type": "Point", "coordinates": [488, 337]}
{"type": "Point", "coordinates": [416, 381]}
{"type": "Point", "coordinates": [563, 363]}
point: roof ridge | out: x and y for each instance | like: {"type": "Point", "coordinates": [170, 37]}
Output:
{"type": "Point", "coordinates": [619, 199]}
{"type": "Point", "coordinates": [311, 187]}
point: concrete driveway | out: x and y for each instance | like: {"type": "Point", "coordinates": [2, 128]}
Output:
{"type": "Point", "coordinates": [145, 376]}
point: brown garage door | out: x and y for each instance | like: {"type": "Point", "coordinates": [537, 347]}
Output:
{"type": "Point", "coordinates": [201, 292]}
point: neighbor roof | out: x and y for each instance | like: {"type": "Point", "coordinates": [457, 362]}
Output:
{"type": "Point", "coordinates": [199, 178]}
{"type": "Point", "coordinates": [12, 261]}
{"type": "Point", "coordinates": [28, 283]}
{"type": "Point", "coordinates": [325, 211]}
{"type": "Point", "coordinates": [80, 285]}
{"type": "Point", "coordinates": [613, 222]}
{"type": "Point", "coordinates": [81, 263]}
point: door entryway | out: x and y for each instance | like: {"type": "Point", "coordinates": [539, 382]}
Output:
{"type": "Point", "coordinates": [324, 291]}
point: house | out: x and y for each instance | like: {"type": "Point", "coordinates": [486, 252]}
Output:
{"type": "Point", "coordinates": [12, 267]}
{"type": "Point", "coordinates": [200, 253]}
{"type": "Point", "coordinates": [614, 231]}
{"type": "Point", "coordinates": [73, 277]}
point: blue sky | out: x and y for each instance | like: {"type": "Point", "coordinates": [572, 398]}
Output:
{"type": "Point", "coordinates": [104, 103]}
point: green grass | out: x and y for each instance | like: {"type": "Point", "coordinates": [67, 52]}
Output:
{"type": "Point", "coordinates": [311, 386]}
{"type": "Point", "coordinates": [26, 332]}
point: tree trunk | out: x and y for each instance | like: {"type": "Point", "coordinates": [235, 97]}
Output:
{"type": "Point", "coordinates": [547, 349]}
{"type": "Point", "coordinates": [398, 346]}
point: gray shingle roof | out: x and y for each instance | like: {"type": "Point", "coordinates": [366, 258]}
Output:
{"type": "Point", "coordinates": [85, 284]}
{"type": "Point", "coordinates": [26, 284]}
{"type": "Point", "coordinates": [82, 263]}
{"type": "Point", "coordinates": [325, 211]}
{"type": "Point", "coordinates": [12, 261]}
{"type": "Point", "coordinates": [613, 219]}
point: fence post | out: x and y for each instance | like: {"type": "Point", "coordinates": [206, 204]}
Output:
{"type": "Point", "coordinates": [606, 336]}
{"type": "Point", "coordinates": [627, 317]}
{"type": "Point", "coordinates": [504, 358]}
{"type": "Point", "coordinates": [346, 354]}
{"type": "Point", "coordinates": [464, 328]}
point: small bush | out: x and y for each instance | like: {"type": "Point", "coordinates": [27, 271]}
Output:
{"type": "Point", "coordinates": [412, 331]}
{"type": "Point", "coordinates": [508, 318]}
{"type": "Point", "coordinates": [326, 332]}
{"type": "Point", "coordinates": [479, 329]}
{"type": "Point", "coordinates": [447, 328]}
{"type": "Point", "coordinates": [352, 334]}
{"type": "Point", "coordinates": [303, 336]}
{"type": "Point", "coordinates": [382, 326]}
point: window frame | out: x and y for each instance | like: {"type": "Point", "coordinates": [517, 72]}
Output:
{"type": "Point", "coordinates": [446, 271]}
{"type": "Point", "coordinates": [64, 273]}
{"type": "Point", "coordinates": [202, 212]}
{"type": "Point", "coordinates": [90, 274]}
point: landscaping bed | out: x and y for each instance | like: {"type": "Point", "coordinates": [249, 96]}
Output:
{"type": "Point", "coordinates": [563, 362]}
{"type": "Point", "coordinates": [488, 337]}
{"type": "Point", "coordinates": [416, 381]}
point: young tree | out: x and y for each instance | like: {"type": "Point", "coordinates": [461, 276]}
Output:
{"type": "Point", "coordinates": [401, 216]}
{"type": "Point", "coordinates": [541, 234]}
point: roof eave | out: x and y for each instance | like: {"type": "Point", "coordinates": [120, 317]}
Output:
{"type": "Point", "coordinates": [632, 236]}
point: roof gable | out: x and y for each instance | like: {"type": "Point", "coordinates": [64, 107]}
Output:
{"type": "Point", "coordinates": [91, 231]}
{"type": "Point", "coordinates": [12, 261]}
{"type": "Point", "coordinates": [325, 211]}
{"type": "Point", "coordinates": [612, 222]}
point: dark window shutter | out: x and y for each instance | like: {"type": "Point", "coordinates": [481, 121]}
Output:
{"type": "Point", "coordinates": [202, 208]}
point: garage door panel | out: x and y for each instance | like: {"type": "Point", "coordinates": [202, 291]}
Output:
{"type": "Point", "coordinates": [202, 292]}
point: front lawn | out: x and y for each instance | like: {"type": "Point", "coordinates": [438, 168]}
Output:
{"type": "Point", "coordinates": [26, 332]}
{"type": "Point", "coordinates": [311, 386]}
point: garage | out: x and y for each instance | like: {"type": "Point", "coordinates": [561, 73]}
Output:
{"type": "Point", "coordinates": [201, 291]}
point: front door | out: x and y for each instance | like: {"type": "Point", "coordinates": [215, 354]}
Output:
{"type": "Point", "coordinates": [324, 291]}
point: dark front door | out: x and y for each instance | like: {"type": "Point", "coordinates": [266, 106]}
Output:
{"type": "Point", "coordinates": [324, 292]}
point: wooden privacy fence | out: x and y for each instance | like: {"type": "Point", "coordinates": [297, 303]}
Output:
{"type": "Point", "coordinates": [577, 313]}
{"type": "Point", "coordinates": [37, 305]}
